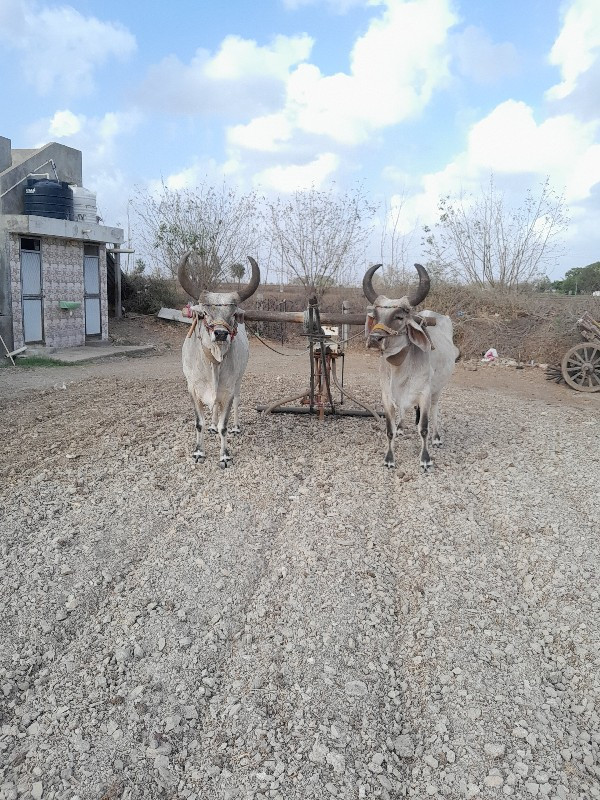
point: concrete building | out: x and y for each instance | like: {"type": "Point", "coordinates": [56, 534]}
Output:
{"type": "Point", "coordinates": [53, 272]}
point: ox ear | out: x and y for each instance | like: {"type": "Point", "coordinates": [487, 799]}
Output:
{"type": "Point", "coordinates": [417, 335]}
{"type": "Point", "coordinates": [396, 349]}
{"type": "Point", "coordinates": [239, 316]}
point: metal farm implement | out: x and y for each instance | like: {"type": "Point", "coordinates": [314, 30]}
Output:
{"type": "Point", "coordinates": [325, 353]}
{"type": "Point", "coordinates": [580, 366]}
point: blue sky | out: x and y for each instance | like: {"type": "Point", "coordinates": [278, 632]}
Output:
{"type": "Point", "coordinates": [414, 98]}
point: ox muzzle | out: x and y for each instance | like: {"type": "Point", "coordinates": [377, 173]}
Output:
{"type": "Point", "coordinates": [220, 334]}
{"type": "Point", "coordinates": [220, 331]}
{"type": "Point", "coordinates": [375, 340]}
{"type": "Point", "coordinates": [378, 333]}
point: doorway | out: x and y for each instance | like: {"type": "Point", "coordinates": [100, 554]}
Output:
{"type": "Point", "coordinates": [32, 291]}
{"type": "Point", "coordinates": [91, 284]}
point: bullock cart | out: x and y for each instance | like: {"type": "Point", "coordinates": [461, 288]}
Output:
{"type": "Point", "coordinates": [581, 364]}
{"type": "Point", "coordinates": [325, 353]}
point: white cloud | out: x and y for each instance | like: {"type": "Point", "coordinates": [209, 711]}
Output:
{"type": "Point", "coordinates": [510, 141]}
{"type": "Point", "coordinates": [240, 78]}
{"type": "Point", "coordinates": [288, 178]}
{"type": "Point", "coordinates": [518, 150]}
{"type": "Point", "coordinates": [338, 6]}
{"type": "Point", "coordinates": [242, 58]}
{"type": "Point", "coordinates": [61, 47]}
{"type": "Point", "coordinates": [64, 124]}
{"type": "Point", "coordinates": [187, 178]}
{"type": "Point", "coordinates": [576, 48]}
{"type": "Point", "coordinates": [482, 61]}
{"type": "Point", "coordinates": [395, 68]}
{"type": "Point", "coordinates": [199, 172]}
{"type": "Point", "coordinates": [263, 133]}
{"type": "Point", "coordinates": [96, 137]}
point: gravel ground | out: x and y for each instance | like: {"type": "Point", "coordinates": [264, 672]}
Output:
{"type": "Point", "coordinates": [304, 624]}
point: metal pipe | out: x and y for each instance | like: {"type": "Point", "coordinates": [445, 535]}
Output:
{"type": "Point", "coordinates": [272, 407]}
{"type": "Point", "coordinates": [347, 393]}
{"type": "Point", "coordinates": [338, 412]}
{"type": "Point", "coordinates": [29, 174]}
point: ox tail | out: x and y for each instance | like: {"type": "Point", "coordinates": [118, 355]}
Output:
{"type": "Point", "coordinates": [417, 415]}
{"type": "Point", "coordinates": [458, 357]}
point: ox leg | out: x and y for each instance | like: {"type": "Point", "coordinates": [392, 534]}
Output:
{"type": "Point", "coordinates": [225, 456]}
{"type": "Point", "coordinates": [212, 428]}
{"type": "Point", "coordinates": [198, 453]}
{"type": "Point", "coordinates": [391, 428]}
{"type": "Point", "coordinates": [235, 428]}
{"type": "Point", "coordinates": [426, 461]}
{"type": "Point", "coordinates": [435, 429]}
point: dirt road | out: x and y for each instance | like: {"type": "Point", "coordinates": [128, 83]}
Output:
{"type": "Point", "coordinates": [303, 624]}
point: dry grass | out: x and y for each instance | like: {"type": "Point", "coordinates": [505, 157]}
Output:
{"type": "Point", "coordinates": [525, 326]}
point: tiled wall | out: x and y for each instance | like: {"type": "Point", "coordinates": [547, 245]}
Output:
{"type": "Point", "coordinates": [62, 279]}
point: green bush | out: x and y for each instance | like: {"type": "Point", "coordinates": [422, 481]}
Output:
{"type": "Point", "coordinates": [147, 294]}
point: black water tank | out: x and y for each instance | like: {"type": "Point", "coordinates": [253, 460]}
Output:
{"type": "Point", "coordinates": [46, 198]}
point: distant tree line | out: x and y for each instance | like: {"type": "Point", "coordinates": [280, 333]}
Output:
{"type": "Point", "coordinates": [580, 280]}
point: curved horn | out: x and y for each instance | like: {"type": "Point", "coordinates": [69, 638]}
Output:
{"type": "Point", "coordinates": [188, 283]}
{"type": "Point", "coordinates": [422, 290]}
{"type": "Point", "coordinates": [248, 291]}
{"type": "Point", "coordinates": [368, 289]}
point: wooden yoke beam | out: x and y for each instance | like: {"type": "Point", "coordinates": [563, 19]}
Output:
{"type": "Point", "coordinates": [255, 315]}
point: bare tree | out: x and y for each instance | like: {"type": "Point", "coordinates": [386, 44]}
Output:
{"type": "Point", "coordinates": [485, 241]}
{"type": "Point", "coordinates": [320, 235]}
{"type": "Point", "coordinates": [218, 226]}
{"type": "Point", "coordinates": [395, 245]}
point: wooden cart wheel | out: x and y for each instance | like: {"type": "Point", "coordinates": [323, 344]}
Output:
{"type": "Point", "coordinates": [581, 367]}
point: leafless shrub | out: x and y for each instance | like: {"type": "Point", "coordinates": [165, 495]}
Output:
{"type": "Point", "coordinates": [220, 227]}
{"type": "Point", "coordinates": [487, 242]}
{"type": "Point", "coordinates": [319, 236]}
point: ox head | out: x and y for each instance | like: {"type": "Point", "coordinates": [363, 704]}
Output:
{"type": "Point", "coordinates": [391, 325]}
{"type": "Point", "coordinates": [218, 312]}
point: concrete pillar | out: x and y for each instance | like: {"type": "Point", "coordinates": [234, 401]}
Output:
{"type": "Point", "coordinates": [345, 328]}
{"type": "Point", "coordinates": [118, 302]}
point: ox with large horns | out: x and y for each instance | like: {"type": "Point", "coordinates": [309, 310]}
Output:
{"type": "Point", "coordinates": [215, 355]}
{"type": "Point", "coordinates": [417, 359]}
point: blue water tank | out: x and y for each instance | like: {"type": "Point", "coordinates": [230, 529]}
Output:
{"type": "Point", "coordinates": [46, 198]}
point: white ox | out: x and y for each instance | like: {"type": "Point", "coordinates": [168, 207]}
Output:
{"type": "Point", "coordinates": [417, 359]}
{"type": "Point", "coordinates": [215, 355]}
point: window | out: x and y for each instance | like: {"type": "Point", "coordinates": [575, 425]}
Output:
{"type": "Point", "coordinates": [30, 244]}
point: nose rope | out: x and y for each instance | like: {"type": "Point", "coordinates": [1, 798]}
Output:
{"type": "Point", "coordinates": [210, 326]}
{"type": "Point", "coordinates": [422, 321]}
{"type": "Point", "coordinates": [220, 323]}
{"type": "Point", "coordinates": [379, 326]}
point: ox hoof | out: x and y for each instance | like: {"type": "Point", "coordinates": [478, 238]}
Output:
{"type": "Point", "coordinates": [426, 466]}
{"type": "Point", "coordinates": [437, 442]}
{"type": "Point", "coordinates": [389, 464]}
{"type": "Point", "coordinates": [235, 430]}
{"type": "Point", "coordinates": [198, 457]}
{"type": "Point", "coordinates": [212, 429]}
{"type": "Point", "coordinates": [225, 462]}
